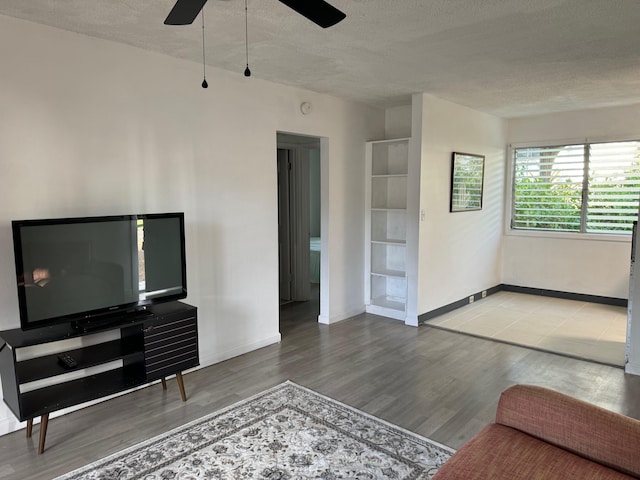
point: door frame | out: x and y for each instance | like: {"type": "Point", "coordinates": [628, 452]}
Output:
{"type": "Point", "coordinates": [291, 140]}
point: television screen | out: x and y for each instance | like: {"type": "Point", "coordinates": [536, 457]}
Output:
{"type": "Point", "coordinates": [77, 268]}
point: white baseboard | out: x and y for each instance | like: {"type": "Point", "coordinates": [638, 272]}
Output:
{"type": "Point", "coordinates": [237, 351]}
{"type": "Point", "coordinates": [8, 425]}
{"type": "Point", "coordinates": [324, 319]}
{"type": "Point", "coordinates": [411, 320]}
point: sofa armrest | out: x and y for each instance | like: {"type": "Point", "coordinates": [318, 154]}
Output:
{"type": "Point", "coordinates": [582, 428]}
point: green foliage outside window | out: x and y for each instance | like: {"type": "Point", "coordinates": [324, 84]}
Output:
{"type": "Point", "coordinates": [548, 188]}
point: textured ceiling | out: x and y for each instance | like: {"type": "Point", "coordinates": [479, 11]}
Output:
{"type": "Point", "coordinates": [505, 57]}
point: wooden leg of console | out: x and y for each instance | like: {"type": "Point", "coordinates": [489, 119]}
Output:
{"type": "Point", "coordinates": [44, 422]}
{"type": "Point", "coordinates": [164, 384]}
{"type": "Point", "coordinates": [181, 386]}
{"type": "Point", "coordinates": [29, 427]}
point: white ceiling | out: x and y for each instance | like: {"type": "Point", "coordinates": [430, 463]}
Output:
{"type": "Point", "coordinates": [509, 58]}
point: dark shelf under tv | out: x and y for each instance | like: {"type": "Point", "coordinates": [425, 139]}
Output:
{"type": "Point", "coordinates": [48, 366]}
{"type": "Point", "coordinates": [147, 348]}
{"type": "Point", "coordinates": [56, 397]}
{"type": "Point", "coordinates": [18, 338]}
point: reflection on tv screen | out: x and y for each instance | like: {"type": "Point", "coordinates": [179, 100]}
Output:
{"type": "Point", "coordinates": [72, 269]}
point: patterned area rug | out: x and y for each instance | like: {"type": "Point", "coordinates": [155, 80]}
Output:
{"type": "Point", "coordinates": [287, 432]}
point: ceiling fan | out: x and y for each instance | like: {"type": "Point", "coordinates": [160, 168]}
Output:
{"type": "Point", "coordinates": [319, 12]}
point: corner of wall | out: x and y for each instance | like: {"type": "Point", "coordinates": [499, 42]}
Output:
{"type": "Point", "coordinates": [397, 122]}
{"type": "Point", "coordinates": [632, 368]}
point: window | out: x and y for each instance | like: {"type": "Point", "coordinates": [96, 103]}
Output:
{"type": "Point", "coordinates": [583, 188]}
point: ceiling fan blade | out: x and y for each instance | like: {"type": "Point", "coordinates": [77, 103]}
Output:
{"type": "Point", "coordinates": [184, 12]}
{"type": "Point", "coordinates": [318, 11]}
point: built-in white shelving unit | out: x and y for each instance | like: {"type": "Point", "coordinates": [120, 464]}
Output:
{"type": "Point", "coordinates": [386, 223]}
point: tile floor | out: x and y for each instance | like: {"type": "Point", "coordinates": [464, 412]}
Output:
{"type": "Point", "coordinates": [579, 329]}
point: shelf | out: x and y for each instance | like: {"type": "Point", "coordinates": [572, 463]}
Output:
{"type": "Point", "coordinates": [34, 387]}
{"type": "Point", "coordinates": [49, 399]}
{"type": "Point", "coordinates": [390, 241]}
{"type": "Point", "coordinates": [389, 226]}
{"type": "Point", "coordinates": [18, 338]}
{"type": "Point", "coordinates": [386, 278]}
{"type": "Point", "coordinates": [390, 273]}
{"type": "Point", "coordinates": [389, 192]}
{"type": "Point", "coordinates": [385, 302]}
{"type": "Point", "coordinates": [390, 158]}
{"type": "Point", "coordinates": [388, 259]}
{"type": "Point", "coordinates": [48, 366]}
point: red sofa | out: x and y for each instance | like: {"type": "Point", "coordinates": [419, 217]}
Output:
{"type": "Point", "coordinates": [543, 434]}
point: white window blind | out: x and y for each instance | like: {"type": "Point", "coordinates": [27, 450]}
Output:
{"type": "Point", "coordinates": [614, 186]}
{"type": "Point", "coordinates": [589, 188]}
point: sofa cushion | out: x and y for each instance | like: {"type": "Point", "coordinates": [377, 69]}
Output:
{"type": "Point", "coordinates": [580, 427]}
{"type": "Point", "coordinates": [500, 452]}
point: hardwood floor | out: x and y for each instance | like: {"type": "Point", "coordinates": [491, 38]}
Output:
{"type": "Point", "coordinates": [440, 384]}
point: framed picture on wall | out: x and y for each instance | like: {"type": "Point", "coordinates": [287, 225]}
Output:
{"type": "Point", "coordinates": [467, 178]}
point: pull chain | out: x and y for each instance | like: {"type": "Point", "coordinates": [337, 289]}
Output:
{"type": "Point", "coordinates": [204, 64]}
{"type": "Point", "coordinates": [247, 72]}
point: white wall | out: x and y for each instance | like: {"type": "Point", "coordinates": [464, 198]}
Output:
{"type": "Point", "coordinates": [459, 253]}
{"type": "Point", "coordinates": [594, 267]}
{"type": "Point", "coordinates": [89, 127]}
{"type": "Point", "coordinates": [397, 122]}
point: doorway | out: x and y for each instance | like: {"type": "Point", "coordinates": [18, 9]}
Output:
{"type": "Point", "coordinates": [299, 226]}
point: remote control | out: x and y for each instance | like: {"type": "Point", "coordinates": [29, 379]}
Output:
{"type": "Point", "coordinates": [67, 360]}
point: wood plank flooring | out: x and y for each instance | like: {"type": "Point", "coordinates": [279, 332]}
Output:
{"type": "Point", "coordinates": [440, 384]}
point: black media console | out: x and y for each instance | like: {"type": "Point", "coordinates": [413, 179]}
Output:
{"type": "Point", "coordinates": [150, 347]}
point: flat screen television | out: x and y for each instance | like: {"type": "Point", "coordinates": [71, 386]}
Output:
{"type": "Point", "coordinates": [85, 270]}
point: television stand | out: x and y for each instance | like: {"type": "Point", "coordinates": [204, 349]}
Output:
{"type": "Point", "coordinates": [150, 347]}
